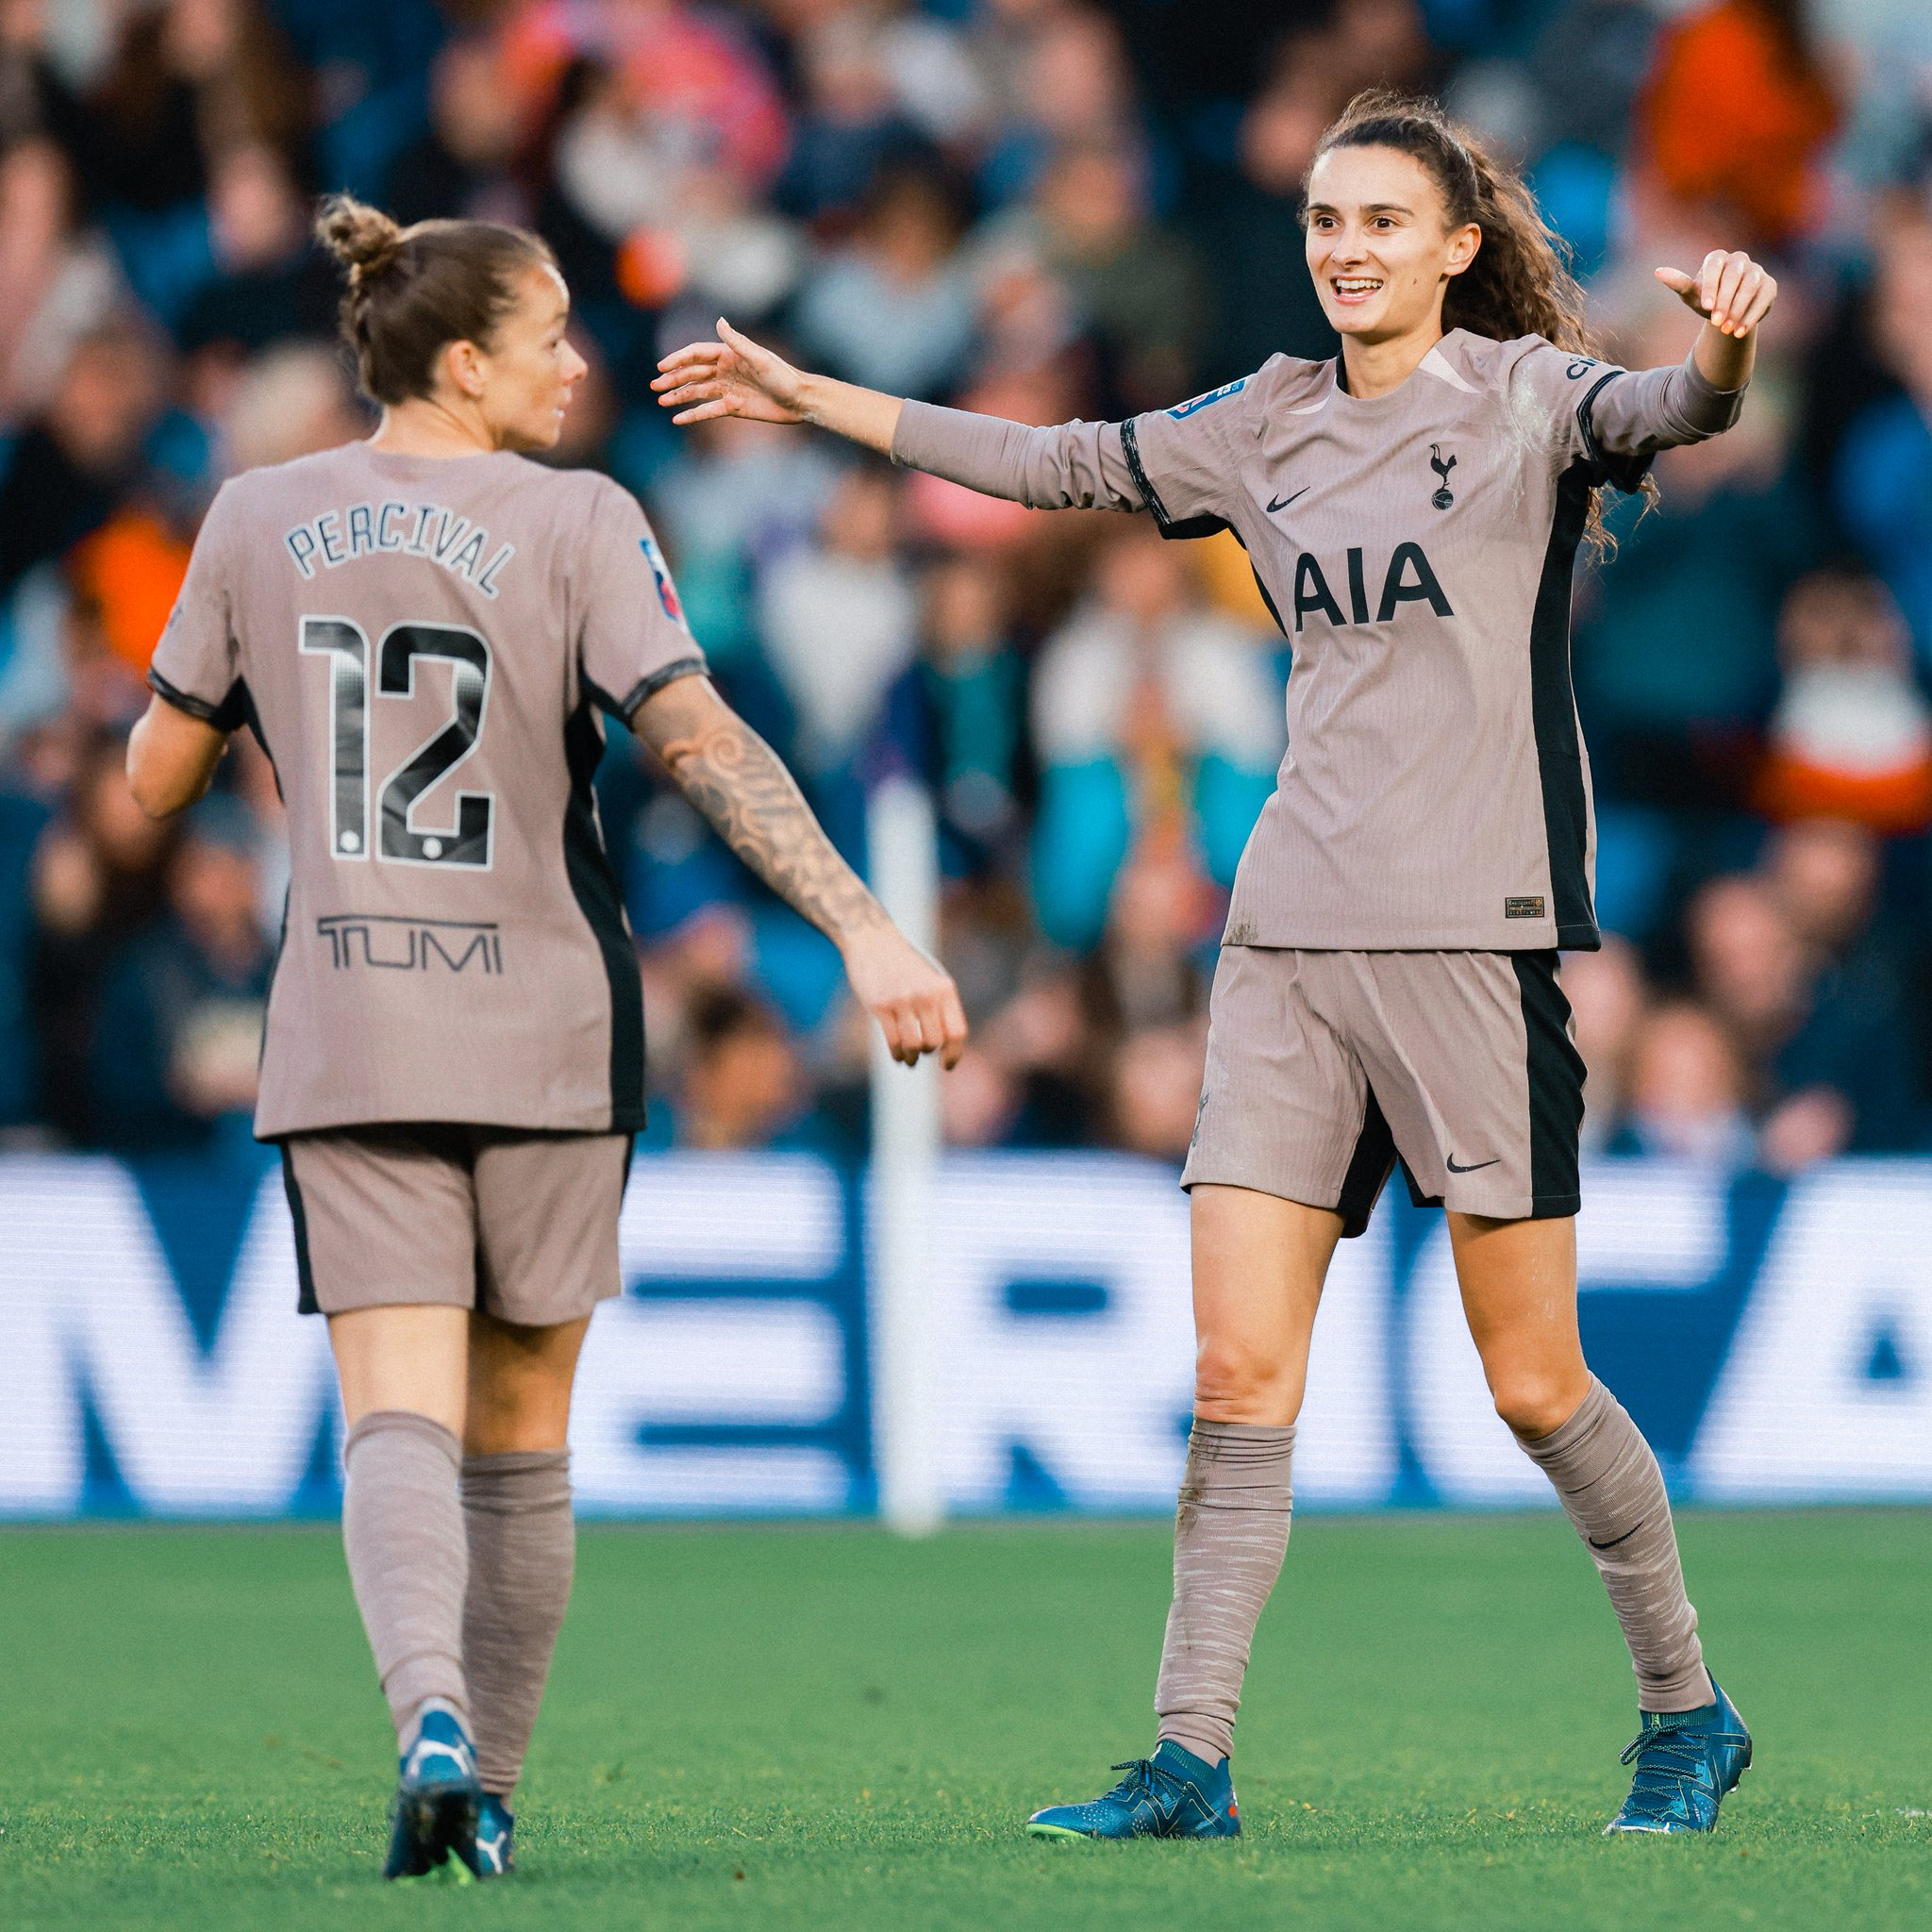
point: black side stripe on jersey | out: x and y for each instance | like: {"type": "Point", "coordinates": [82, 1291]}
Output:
{"type": "Point", "coordinates": [251, 716]}
{"type": "Point", "coordinates": [1188, 526]}
{"type": "Point", "coordinates": [646, 687]}
{"type": "Point", "coordinates": [226, 716]}
{"type": "Point", "coordinates": [593, 885]}
{"type": "Point", "coordinates": [1267, 596]}
{"type": "Point", "coordinates": [1625, 473]}
{"type": "Point", "coordinates": [1556, 1087]}
{"type": "Point", "coordinates": [1553, 717]}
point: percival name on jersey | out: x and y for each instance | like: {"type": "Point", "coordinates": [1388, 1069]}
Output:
{"type": "Point", "coordinates": [1418, 549]}
{"type": "Point", "coordinates": [394, 528]}
{"type": "Point", "coordinates": [425, 646]}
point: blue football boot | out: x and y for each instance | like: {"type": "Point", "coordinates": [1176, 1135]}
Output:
{"type": "Point", "coordinates": [1687, 1762]}
{"type": "Point", "coordinates": [495, 1827]}
{"type": "Point", "coordinates": [1172, 1794]}
{"type": "Point", "coordinates": [437, 1799]}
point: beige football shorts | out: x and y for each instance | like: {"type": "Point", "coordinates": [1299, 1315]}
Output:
{"type": "Point", "coordinates": [520, 1226]}
{"type": "Point", "coordinates": [1325, 1068]}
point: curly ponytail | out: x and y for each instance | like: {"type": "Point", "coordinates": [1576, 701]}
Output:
{"type": "Point", "coordinates": [413, 291]}
{"type": "Point", "coordinates": [1520, 283]}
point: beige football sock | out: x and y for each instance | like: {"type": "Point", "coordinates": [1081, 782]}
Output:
{"type": "Point", "coordinates": [403, 1530]}
{"type": "Point", "coordinates": [1613, 1492]}
{"type": "Point", "coordinates": [523, 1551]}
{"type": "Point", "coordinates": [1230, 1535]}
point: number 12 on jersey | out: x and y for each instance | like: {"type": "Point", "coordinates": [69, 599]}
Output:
{"type": "Point", "coordinates": [404, 839]}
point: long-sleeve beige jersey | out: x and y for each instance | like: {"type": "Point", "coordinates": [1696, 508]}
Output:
{"type": "Point", "coordinates": [1417, 549]}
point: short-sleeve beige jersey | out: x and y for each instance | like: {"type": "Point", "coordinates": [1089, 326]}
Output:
{"type": "Point", "coordinates": [423, 646]}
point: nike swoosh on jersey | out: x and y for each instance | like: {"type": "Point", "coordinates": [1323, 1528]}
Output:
{"type": "Point", "coordinates": [1474, 1167]}
{"type": "Point", "coordinates": [1282, 502]}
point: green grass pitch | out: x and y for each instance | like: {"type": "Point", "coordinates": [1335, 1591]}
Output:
{"type": "Point", "coordinates": [802, 1727]}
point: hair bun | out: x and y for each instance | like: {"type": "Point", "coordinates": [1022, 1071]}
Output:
{"type": "Point", "coordinates": [363, 238]}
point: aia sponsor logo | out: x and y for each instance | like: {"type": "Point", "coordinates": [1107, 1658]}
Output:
{"type": "Point", "coordinates": [1407, 578]}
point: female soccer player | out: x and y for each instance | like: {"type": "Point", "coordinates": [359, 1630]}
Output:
{"type": "Point", "coordinates": [1388, 984]}
{"type": "Point", "coordinates": [421, 629]}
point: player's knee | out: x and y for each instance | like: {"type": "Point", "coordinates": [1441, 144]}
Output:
{"type": "Point", "coordinates": [500, 1435]}
{"type": "Point", "coordinates": [511, 1413]}
{"type": "Point", "coordinates": [1534, 1405]}
{"type": "Point", "coordinates": [1234, 1382]}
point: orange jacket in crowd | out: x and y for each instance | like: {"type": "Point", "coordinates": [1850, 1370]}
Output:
{"type": "Point", "coordinates": [1734, 113]}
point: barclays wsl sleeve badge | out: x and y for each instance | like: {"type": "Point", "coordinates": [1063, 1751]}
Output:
{"type": "Point", "coordinates": [667, 590]}
{"type": "Point", "coordinates": [1181, 411]}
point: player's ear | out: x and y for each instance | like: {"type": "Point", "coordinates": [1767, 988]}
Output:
{"type": "Point", "coordinates": [462, 362]}
{"type": "Point", "coordinates": [1463, 243]}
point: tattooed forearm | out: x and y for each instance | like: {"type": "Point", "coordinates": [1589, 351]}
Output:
{"type": "Point", "coordinates": [734, 779]}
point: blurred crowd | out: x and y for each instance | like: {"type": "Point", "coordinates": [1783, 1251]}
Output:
{"type": "Point", "coordinates": [1041, 208]}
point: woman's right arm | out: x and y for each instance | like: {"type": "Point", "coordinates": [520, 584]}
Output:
{"type": "Point", "coordinates": [195, 676]}
{"type": "Point", "coordinates": [1071, 466]}
{"type": "Point", "coordinates": [736, 780]}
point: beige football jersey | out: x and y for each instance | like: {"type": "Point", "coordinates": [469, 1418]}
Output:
{"type": "Point", "coordinates": [1417, 549]}
{"type": "Point", "coordinates": [423, 646]}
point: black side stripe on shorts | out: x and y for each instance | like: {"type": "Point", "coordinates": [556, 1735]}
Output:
{"type": "Point", "coordinates": [1555, 1086]}
{"type": "Point", "coordinates": [1369, 1167]}
{"type": "Point", "coordinates": [306, 1302]}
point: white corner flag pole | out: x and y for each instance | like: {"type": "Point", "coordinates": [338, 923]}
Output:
{"type": "Point", "coordinates": [903, 841]}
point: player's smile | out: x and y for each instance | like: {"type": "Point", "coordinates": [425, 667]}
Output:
{"type": "Point", "coordinates": [1358, 287]}
{"type": "Point", "coordinates": [1378, 246]}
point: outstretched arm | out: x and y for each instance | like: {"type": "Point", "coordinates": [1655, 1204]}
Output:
{"type": "Point", "coordinates": [734, 376]}
{"type": "Point", "coordinates": [1733, 294]}
{"type": "Point", "coordinates": [1073, 466]}
{"type": "Point", "coordinates": [736, 780]}
{"type": "Point", "coordinates": [1656, 409]}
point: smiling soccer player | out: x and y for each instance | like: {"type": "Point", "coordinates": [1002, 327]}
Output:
{"type": "Point", "coordinates": [1389, 984]}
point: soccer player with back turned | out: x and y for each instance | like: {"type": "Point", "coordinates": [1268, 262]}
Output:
{"type": "Point", "coordinates": [422, 629]}
{"type": "Point", "coordinates": [1388, 987]}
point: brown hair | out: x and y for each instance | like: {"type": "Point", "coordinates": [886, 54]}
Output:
{"type": "Point", "coordinates": [1520, 283]}
{"type": "Point", "coordinates": [413, 291]}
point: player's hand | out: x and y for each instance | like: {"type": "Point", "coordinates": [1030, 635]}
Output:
{"type": "Point", "coordinates": [732, 376]}
{"type": "Point", "coordinates": [914, 1001]}
{"type": "Point", "coordinates": [1730, 292]}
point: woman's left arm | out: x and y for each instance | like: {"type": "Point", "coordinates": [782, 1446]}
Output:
{"type": "Point", "coordinates": [1630, 414]}
{"type": "Point", "coordinates": [1733, 294]}
{"type": "Point", "coordinates": [171, 758]}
